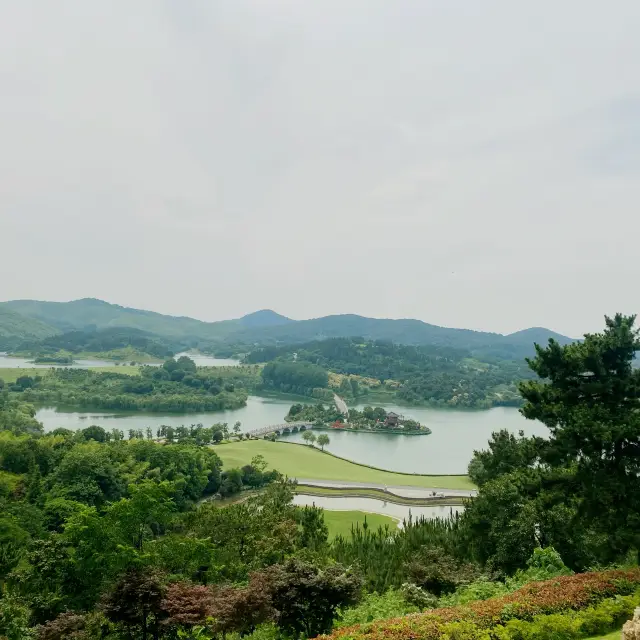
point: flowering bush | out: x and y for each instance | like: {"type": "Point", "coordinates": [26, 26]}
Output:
{"type": "Point", "coordinates": [558, 595]}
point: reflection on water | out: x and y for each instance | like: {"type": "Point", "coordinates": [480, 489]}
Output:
{"type": "Point", "coordinates": [259, 412]}
{"type": "Point", "coordinates": [371, 505]}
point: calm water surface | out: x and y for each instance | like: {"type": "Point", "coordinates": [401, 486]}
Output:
{"type": "Point", "coordinates": [448, 449]}
{"type": "Point", "coordinates": [371, 505]}
{"type": "Point", "coordinates": [209, 361]}
{"type": "Point", "coordinates": [456, 434]}
{"type": "Point", "coordinates": [7, 362]}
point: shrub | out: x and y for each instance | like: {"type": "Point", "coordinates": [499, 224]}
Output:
{"type": "Point", "coordinates": [418, 597]}
{"type": "Point", "coordinates": [482, 589]}
{"type": "Point", "coordinates": [436, 571]}
{"type": "Point", "coordinates": [544, 564]}
{"type": "Point", "coordinates": [558, 595]}
{"type": "Point", "coordinates": [464, 631]}
{"type": "Point", "coordinates": [600, 619]}
{"type": "Point", "coordinates": [377, 607]}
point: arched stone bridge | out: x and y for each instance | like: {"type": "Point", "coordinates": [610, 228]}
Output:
{"type": "Point", "coordinates": [280, 429]}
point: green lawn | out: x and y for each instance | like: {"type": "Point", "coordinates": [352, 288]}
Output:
{"type": "Point", "coordinates": [340, 522]}
{"type": "Point", "coordinates": [301, 461]}
{"type": "Point", "coordinates": [614, 635]}
{"type": "Point", "coordinates": [12, 374]}
{"type": "Point", "coordinates": [125, 368]}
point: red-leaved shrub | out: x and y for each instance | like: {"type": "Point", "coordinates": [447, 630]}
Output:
{"type": "Point", "coordinates": [551, 596]}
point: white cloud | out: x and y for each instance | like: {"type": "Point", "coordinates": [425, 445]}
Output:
{"type": "Point", "coordinates": [471, 164]}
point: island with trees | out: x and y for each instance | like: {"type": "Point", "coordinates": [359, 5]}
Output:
{"type": "Point", "coordinates": [372, 419]}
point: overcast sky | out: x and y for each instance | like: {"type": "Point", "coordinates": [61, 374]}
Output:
{"type": "Point", "coordinates": [470, 163]}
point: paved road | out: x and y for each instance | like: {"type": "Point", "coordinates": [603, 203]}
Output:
{"type": "Point", "coordinates": [406, 491]}
{"type": "Point", "coordinates": [341, 405]}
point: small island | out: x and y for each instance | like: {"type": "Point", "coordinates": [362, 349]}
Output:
{"type": "Point", "coordinates": [54, 359]}
{"type": "Point", "coordinates": [372, 419]}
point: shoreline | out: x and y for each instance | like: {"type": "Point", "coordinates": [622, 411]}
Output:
{"type": "Point", "coordinates": [394, 432]}
{"type": "Point", "coordinates": [403, 474]}
{"type": "Point", "coordinates": [368, 466]}
{"type": "Point", "coordinates": [378, 494]}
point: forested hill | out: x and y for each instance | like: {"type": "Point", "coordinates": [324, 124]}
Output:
{"type": "Point", "coordinates": [90, 313]}
{"type": "Point", "coordinates": [267, 327]}
{"type": "Point", "coordinates": [14, 328]}
{"type": "Point", "coordinates": [100, 341]}
{"type": "Point", "coordinates": [426, 374]}
{"type": "Point", "coordinates": [408, 332]}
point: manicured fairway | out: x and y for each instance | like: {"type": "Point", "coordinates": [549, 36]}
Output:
{"type": "Point", "coordinates": [301, 461]}
{"type": "Point", "coordinates": [340, 522]}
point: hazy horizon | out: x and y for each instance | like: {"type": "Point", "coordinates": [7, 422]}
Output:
{"type": "Point", "coordinates": [472, 165]}
{"type": "Point", "coordinates": [288, 317]}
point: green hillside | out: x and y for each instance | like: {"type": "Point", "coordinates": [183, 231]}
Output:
{"type": "Point", "coordinates": [15, 328]}
{"type": "Point", "coordinates": [102, 341]}
{"type": "Point", "coordinates": [408, 332]}
{"type": "Point", "coordinates": [267, 327]}
{"type": "Point", "coordinates": [536, 334]}
{"type": "Point", "coordinates": [89, 312]}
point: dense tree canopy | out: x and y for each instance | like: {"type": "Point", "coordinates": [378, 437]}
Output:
{"type": "Point", "coordinates": [580, 489]}
{"type": "Point", "coordinates": [175, 386]}
{"type": "Point", "coordinates": [416, 374]}
{"type": "Point", "coordinates": [100, 341]}
{"type": "Point", "coordinates": [294, 377]}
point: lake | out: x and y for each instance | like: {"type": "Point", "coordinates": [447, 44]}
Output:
{"type": "Point", "coordinates": [447, 450]}
{"type": "Point", "coordinates": [209, 361]}
{"type": "Point", "coordinates": [371, 505]}
{"type": "Point", "coordinates": [9, 362]}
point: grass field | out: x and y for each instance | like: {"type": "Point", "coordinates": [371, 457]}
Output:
{"type": "Point", "coordinates": [299, 461]}
{"type": "Point", "coordinates": [340, 522]}
{"type": "Point", "coordinates": [614, 635]}
{"type": "Point", "coordinates": [12, 374]}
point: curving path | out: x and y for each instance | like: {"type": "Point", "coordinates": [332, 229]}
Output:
{"type": "Point", "coordinates": [406, 491]}
{"type": "Point", "coordinates": [341, 405]}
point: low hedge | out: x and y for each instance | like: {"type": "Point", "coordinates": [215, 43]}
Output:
{"type": "Point", "coordinates": [485, 619]}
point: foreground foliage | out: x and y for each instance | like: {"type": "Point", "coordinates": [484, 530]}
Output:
{"type": "Point", "coordinates": [559, 595]}
{"type": "Point", "coordinates": [578, 490]}
{"type": "Point", "coordinates": [108, 538]}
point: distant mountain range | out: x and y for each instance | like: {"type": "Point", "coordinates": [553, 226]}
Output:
{"type": "Point", "coordinates": [20, 319]}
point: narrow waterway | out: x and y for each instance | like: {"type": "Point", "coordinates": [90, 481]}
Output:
{"type": "Point", "coordinates": [371, 505]}
{"type": "Point", "coordinates": [9, 362]}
